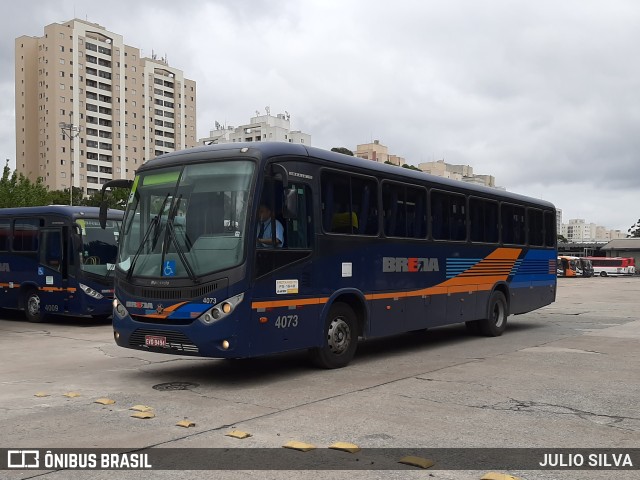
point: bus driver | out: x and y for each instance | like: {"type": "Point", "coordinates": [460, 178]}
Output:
{"type": "Point", "coordinates": [264, 228]}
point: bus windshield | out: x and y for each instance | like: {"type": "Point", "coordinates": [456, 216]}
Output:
{"type": "Point", "coordinates": [187, 221]}
{"type": "Point", "coordinates": [99, 247]}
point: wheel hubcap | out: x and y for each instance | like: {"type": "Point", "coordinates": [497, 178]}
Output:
{"type": "Point", "coordinates": [338, 336]}
{"type": "Point", "coordinates": [33, 305]}
{"type": "Point", "coordinates": [498, 314]}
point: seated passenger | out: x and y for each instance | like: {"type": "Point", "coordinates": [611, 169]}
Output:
{"type": "Point", "coordinates": [344, 223]}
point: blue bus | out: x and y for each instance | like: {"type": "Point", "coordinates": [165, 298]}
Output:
{"type": "Point", "coordinates": [351, 249]}
{"type": "Point", "coordinates": [57, 260]}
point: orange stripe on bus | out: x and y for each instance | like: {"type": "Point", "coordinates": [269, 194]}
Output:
{"type": "Point", "coordinates": [289, 303]}
{"type": "Point", "coordinates": [477, 278]}
{"type": "Point", "coordinates": [58, 289]}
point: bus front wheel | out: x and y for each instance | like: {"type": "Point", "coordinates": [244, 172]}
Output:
{"type": "Point", "coordinates": [603, 274]}
{"type": "Point", "coordinates": [32, 306]}
{"type": "Point", "coordinates": [497, 312]}
{"type": "Point", "coordinates": [340, 338]}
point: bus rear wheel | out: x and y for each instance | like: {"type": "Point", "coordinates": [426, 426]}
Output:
{"type": "Point", "coordinates": [497, 312]}
{"type": "Point", "coordinates": [340, 338]}
{"type": "Point", "coordinates": [32, 306]}
{"type": "Point", "coordinates": [603, 274]}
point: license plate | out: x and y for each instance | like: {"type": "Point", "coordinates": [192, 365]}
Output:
{"type": "Point", "coordinates": [154, 341]}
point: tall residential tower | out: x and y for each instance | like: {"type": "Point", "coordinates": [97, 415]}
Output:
{"type": "Point", "coordinates": [128, 109]}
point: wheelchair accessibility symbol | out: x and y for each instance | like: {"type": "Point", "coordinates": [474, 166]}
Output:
{"type": "Point", "coordinates": [169, 268]}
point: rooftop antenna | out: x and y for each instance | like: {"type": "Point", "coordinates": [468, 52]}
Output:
{"type": "Point", "coordinates": [268, 110]}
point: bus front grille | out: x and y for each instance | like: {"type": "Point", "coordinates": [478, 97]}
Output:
{"type": "Point", "coordinates": [156, 293]}
{"type": "Point", "coordinates": [177, 342]}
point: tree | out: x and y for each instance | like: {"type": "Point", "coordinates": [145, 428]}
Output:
{"type": "Point", "coordinates": [634, 231]}
{"type": "Point", "coordinates": [61, 197]}
{"type": "Point", "coordinates": [562, 239]}
{"type": "Point", "coordinates": [16, 190]}
{"type": "Point", "coordinates": [117, 199]}
{"type": "Point", "coordinates": [411, 167]}
{"type": "Point", "coordinates": [342, 150]}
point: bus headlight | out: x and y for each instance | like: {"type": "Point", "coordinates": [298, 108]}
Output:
{"type": "Point", "coordinates": [119, 309]}
{"type": "Point", "coordinates": [91, 292]}
{"type": "Point", "coordinates": [221, 310]}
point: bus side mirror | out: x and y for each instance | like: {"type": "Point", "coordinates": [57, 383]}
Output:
{"type": "Point", "coordinates": [279, 170]}
{"type": "Point", "coordinates": [290, 203]}
{"type": "Point", "coordinates": [103, 214]}
{"type": "Point", "coordinates": [104, 206]}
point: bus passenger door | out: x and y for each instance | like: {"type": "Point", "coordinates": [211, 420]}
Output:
{"type": "Point", "coordinates": [52, 271]}
{"type": "Point", "coordinates": [284, 312]}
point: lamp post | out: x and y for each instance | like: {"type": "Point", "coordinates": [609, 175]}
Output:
{"type": "Point", "coordinates": [70, 131]}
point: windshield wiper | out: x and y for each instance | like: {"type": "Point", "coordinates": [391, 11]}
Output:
{"type": "Point", "coordinates": [171, 235]}
{"type": "Point", "coordinates": [181, 254]}
{"type": "Point", "coordinates": [155, 221]}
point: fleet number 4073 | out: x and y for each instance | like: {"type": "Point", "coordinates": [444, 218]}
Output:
{"type": "Point", "coordinates": [287, 321]}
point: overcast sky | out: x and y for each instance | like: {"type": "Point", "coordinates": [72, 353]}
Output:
{"type": "Point", "coordinates": [544, 95]}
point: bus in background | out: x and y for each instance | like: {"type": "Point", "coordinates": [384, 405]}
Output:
{"type": "Point", "coordinates": [569, 266]}
{"type": "Point", "coordinates": [57, 260]}
{"type": "Point", "coordinates": [606, 266]}
{"type": "Point", "coordinates": [348, 248]}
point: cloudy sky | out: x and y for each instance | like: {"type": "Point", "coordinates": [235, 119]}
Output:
{"type": "Point", "coordinates": [544, 95]}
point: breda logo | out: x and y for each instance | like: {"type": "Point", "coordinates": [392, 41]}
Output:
{"type": "Point", "coordinates": [411, 264]}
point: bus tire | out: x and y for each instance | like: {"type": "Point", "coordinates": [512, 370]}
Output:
{"type": "Point", "coordinates": [32, 306]}
{"type": "Point", "coordinates": [340, 339]}
{"type": "Point", "coordinates": [497, 312]}
{"type": "Point", "coordinates": [603, 274]}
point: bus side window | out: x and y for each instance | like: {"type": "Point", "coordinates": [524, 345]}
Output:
{"type": "Point", "coordinates": [349, 204]}
{"type": "Point", "coordinates": [51, 251]}
{"type": "Point", "coordinates": [513, 224]}
{"type": "Point", "coordinates": [5, 230]}
{"type": "Point", "coordinates": [550, 229]}
{"type": "Point", "coordinates": [448, 216]}
{"type": "Point", "coordinates": [25, 235]}
{"type": "Point", "coordinates": [298, 230]}
{"type": "Point", "coordinates": [536, 233]}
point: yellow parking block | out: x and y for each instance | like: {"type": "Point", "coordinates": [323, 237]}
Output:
{"type": "Point", "coordinates": [144, 415]}
{"type": "Point", "coordinates": [71, 394]}
{"type": "Point", "coordinates": [41, 394]}
{"type": "Point", "coordinates": [417, 461]}
{"type": "Point", "coordinates": [345, 447]}
{"type": "Point", "coordinates": [300, 446]}
{"type": "Point", "coordinates": [185, 423]}
{"type": "Point", "coordinates": [238, 434]}
{"type": "Point", "coordinates": [498, 476]}
{"type": "Point", "coordinates": [104, 401]}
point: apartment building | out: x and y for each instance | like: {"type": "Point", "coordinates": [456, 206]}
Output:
{"type": "Point", "coordinates": [579, 231]}
{"type": "Point", "coordinates": [377, 152]}
{"type": "Point", "coordinates": [125, 108]}
{"type": "Point", "coordinates": [457, 172]}
{"type": "Point", "coordinates": [261, 128]}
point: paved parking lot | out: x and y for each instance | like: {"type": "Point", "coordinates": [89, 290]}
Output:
{"type": "Point", "coordinates": [564, 376]}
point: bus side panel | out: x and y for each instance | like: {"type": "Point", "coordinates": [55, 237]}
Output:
{"type": "Point", "coordinates": [285, 310]}
{"type": "Point", "coordinates": [284, 329]}
{"type": "Point", "coordinates": [54, 293]}
{"type": "Point", "coordinates": [533, 282]}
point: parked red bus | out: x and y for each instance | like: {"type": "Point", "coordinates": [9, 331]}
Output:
{"type": "Point", "coordinates": [605, 266]}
